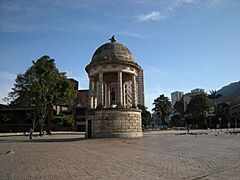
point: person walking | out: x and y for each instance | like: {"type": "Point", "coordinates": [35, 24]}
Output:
{"type": "Point", "coordinates": [30, 133]}
{"type": "Point", "coordinates": [188, 129]}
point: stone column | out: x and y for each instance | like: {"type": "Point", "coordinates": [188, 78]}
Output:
{"type": "Point", "coordinates": [120, 94]}
{"type": "Point", "coordinates": [124, 96]}
{"type": "Point", "coordinates": [134, 92]}
{"type": "Point", "coordinates": [100, 90]}
{"type": "Point", "coordinates": [105, 95]}
{"type": "Point", "coordinates": [109, 96]}
{"type": "Point", "coordinates": [96, 94]}
{"type": "Point", "coordinates": [91, 92]}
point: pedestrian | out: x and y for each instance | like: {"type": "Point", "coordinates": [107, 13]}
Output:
{"type": "Point", "coordinates": [49, 132]}
{"type": "Point", "coordinates": [30, 133]}
{"type": "Point", "coordinates": [188, 129]}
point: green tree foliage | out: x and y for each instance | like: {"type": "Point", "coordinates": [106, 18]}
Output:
{"type": "Point", "coordinates": [179, 107]}
{"type": "Point", "coordinates": [178, 114]}
{"type": "Point", "coordinates": [198, 104]}
{"type": "Point", "coordinates": [223, 113]}
{"type": "Point", "coordinates": [5, 118]}
{"type": "Point", "coordinates": [41, 86]}
{"type": "Point", "coordinates": [146, 115]}
{"type": "Point", "coordinates": [214, 96]}
{"type": "Point", "coordinates": [196, 109]}
{"type": "Point", "coordinates": [63, 119]}
{"type": "Point", "coordinates": [162, 107]}
{"type": "Point", "coordinates": [177, 121]}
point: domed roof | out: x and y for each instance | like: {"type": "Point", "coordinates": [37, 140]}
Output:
{"type": "Point", "coordinates": [112, 52]}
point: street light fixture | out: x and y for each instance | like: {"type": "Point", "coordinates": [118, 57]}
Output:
{"type": "Point", "coordinates": [220, 120]}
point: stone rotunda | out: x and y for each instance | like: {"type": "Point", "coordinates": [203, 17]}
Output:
{"type": "Point", "coordinates": [111, 69]}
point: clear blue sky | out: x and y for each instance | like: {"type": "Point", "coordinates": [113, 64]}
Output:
{"type": "Point", "coordinates": [180, 44]}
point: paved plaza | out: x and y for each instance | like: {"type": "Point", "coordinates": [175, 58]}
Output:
{"type": "Point", "coordinates": [158, 155]}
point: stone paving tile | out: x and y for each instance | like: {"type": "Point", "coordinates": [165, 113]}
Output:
{"type": "Point", "coordinates": [155, 156]}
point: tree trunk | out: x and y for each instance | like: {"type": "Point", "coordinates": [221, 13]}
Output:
{"type": "Point", "coordinates": [45, 113]}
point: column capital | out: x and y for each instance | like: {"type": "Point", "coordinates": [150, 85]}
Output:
{"type": "Point", "coordinates": [91, 78]}
{"type": "Point", "coordinates": [100, 76]}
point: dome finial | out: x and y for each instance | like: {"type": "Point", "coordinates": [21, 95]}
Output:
{"type": "Point", "coordinates": [112, 39]}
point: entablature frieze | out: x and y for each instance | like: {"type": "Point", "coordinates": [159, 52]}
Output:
{"type": "Point", "coordinates": [103, 68]}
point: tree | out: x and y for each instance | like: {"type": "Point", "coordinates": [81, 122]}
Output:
{"type": "Point", "coordinates": [179, 107]}
{"type": "Point", "coordinates": [214, 96]}
{"type": "Point", "coordinates": [162, 107]}
{"type": "Point", "coordinates": [64, 119]}
{"type": "Point", "coordinates": [178, 114]}
{"type": "Point", "coordinates": [197, 108]}
{"type": "Point", "coordinates": [41, 86]}
{"type": "Point", "coordinates": [146, 115]}
{"type": "Point", "coordinates": [223, 113]}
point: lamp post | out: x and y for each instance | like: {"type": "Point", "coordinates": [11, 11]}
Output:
{"type": "Point", "coordinates": [220, 120]}
{"type": "Point", "coordinates": [228, 125]}
{"type": "Point", "coordinates": [235, 123]}
{"type": "Point", "coordinates": [210, 123]}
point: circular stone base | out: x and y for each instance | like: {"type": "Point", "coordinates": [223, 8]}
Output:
{"type": "Point", "coordinates": [114, 122]}
{"type": "Point", "coordinates": [119, 135]}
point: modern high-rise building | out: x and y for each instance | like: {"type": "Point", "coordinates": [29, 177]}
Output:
{"type": "Point", "coordinates": [140, 87]}
{"type": "Point", "coordinates": [140, 90]}
{"type": "Point", "coordinates": [176, 96]}
{"type": "Point", "coordinates": [197, 90]}
{"type": "Point", "coordinates": [127, 90]}
{"type": "Point", "coordinates": [128, 94]}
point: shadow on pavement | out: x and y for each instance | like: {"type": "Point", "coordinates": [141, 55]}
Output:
{"type": "Point", "coordinates": [42, 140]}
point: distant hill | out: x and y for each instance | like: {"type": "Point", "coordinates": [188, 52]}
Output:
{"type": "Point", "coordinates": [228, 92]}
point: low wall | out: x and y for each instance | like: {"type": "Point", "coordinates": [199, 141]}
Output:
{"type": "Point", "coordinates": [15, 127]}
{"type": "Point", "coordinates": [114, 122]}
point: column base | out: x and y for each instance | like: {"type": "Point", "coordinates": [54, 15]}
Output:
{"type": "Point", "coordinates": [118, 135]}
{"type": "Point", "coordinates": [99, 106]}
{"type": "Point", "coordinates": [114, 122]}
{"type": "Point", "coordinates": [113, 106]}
